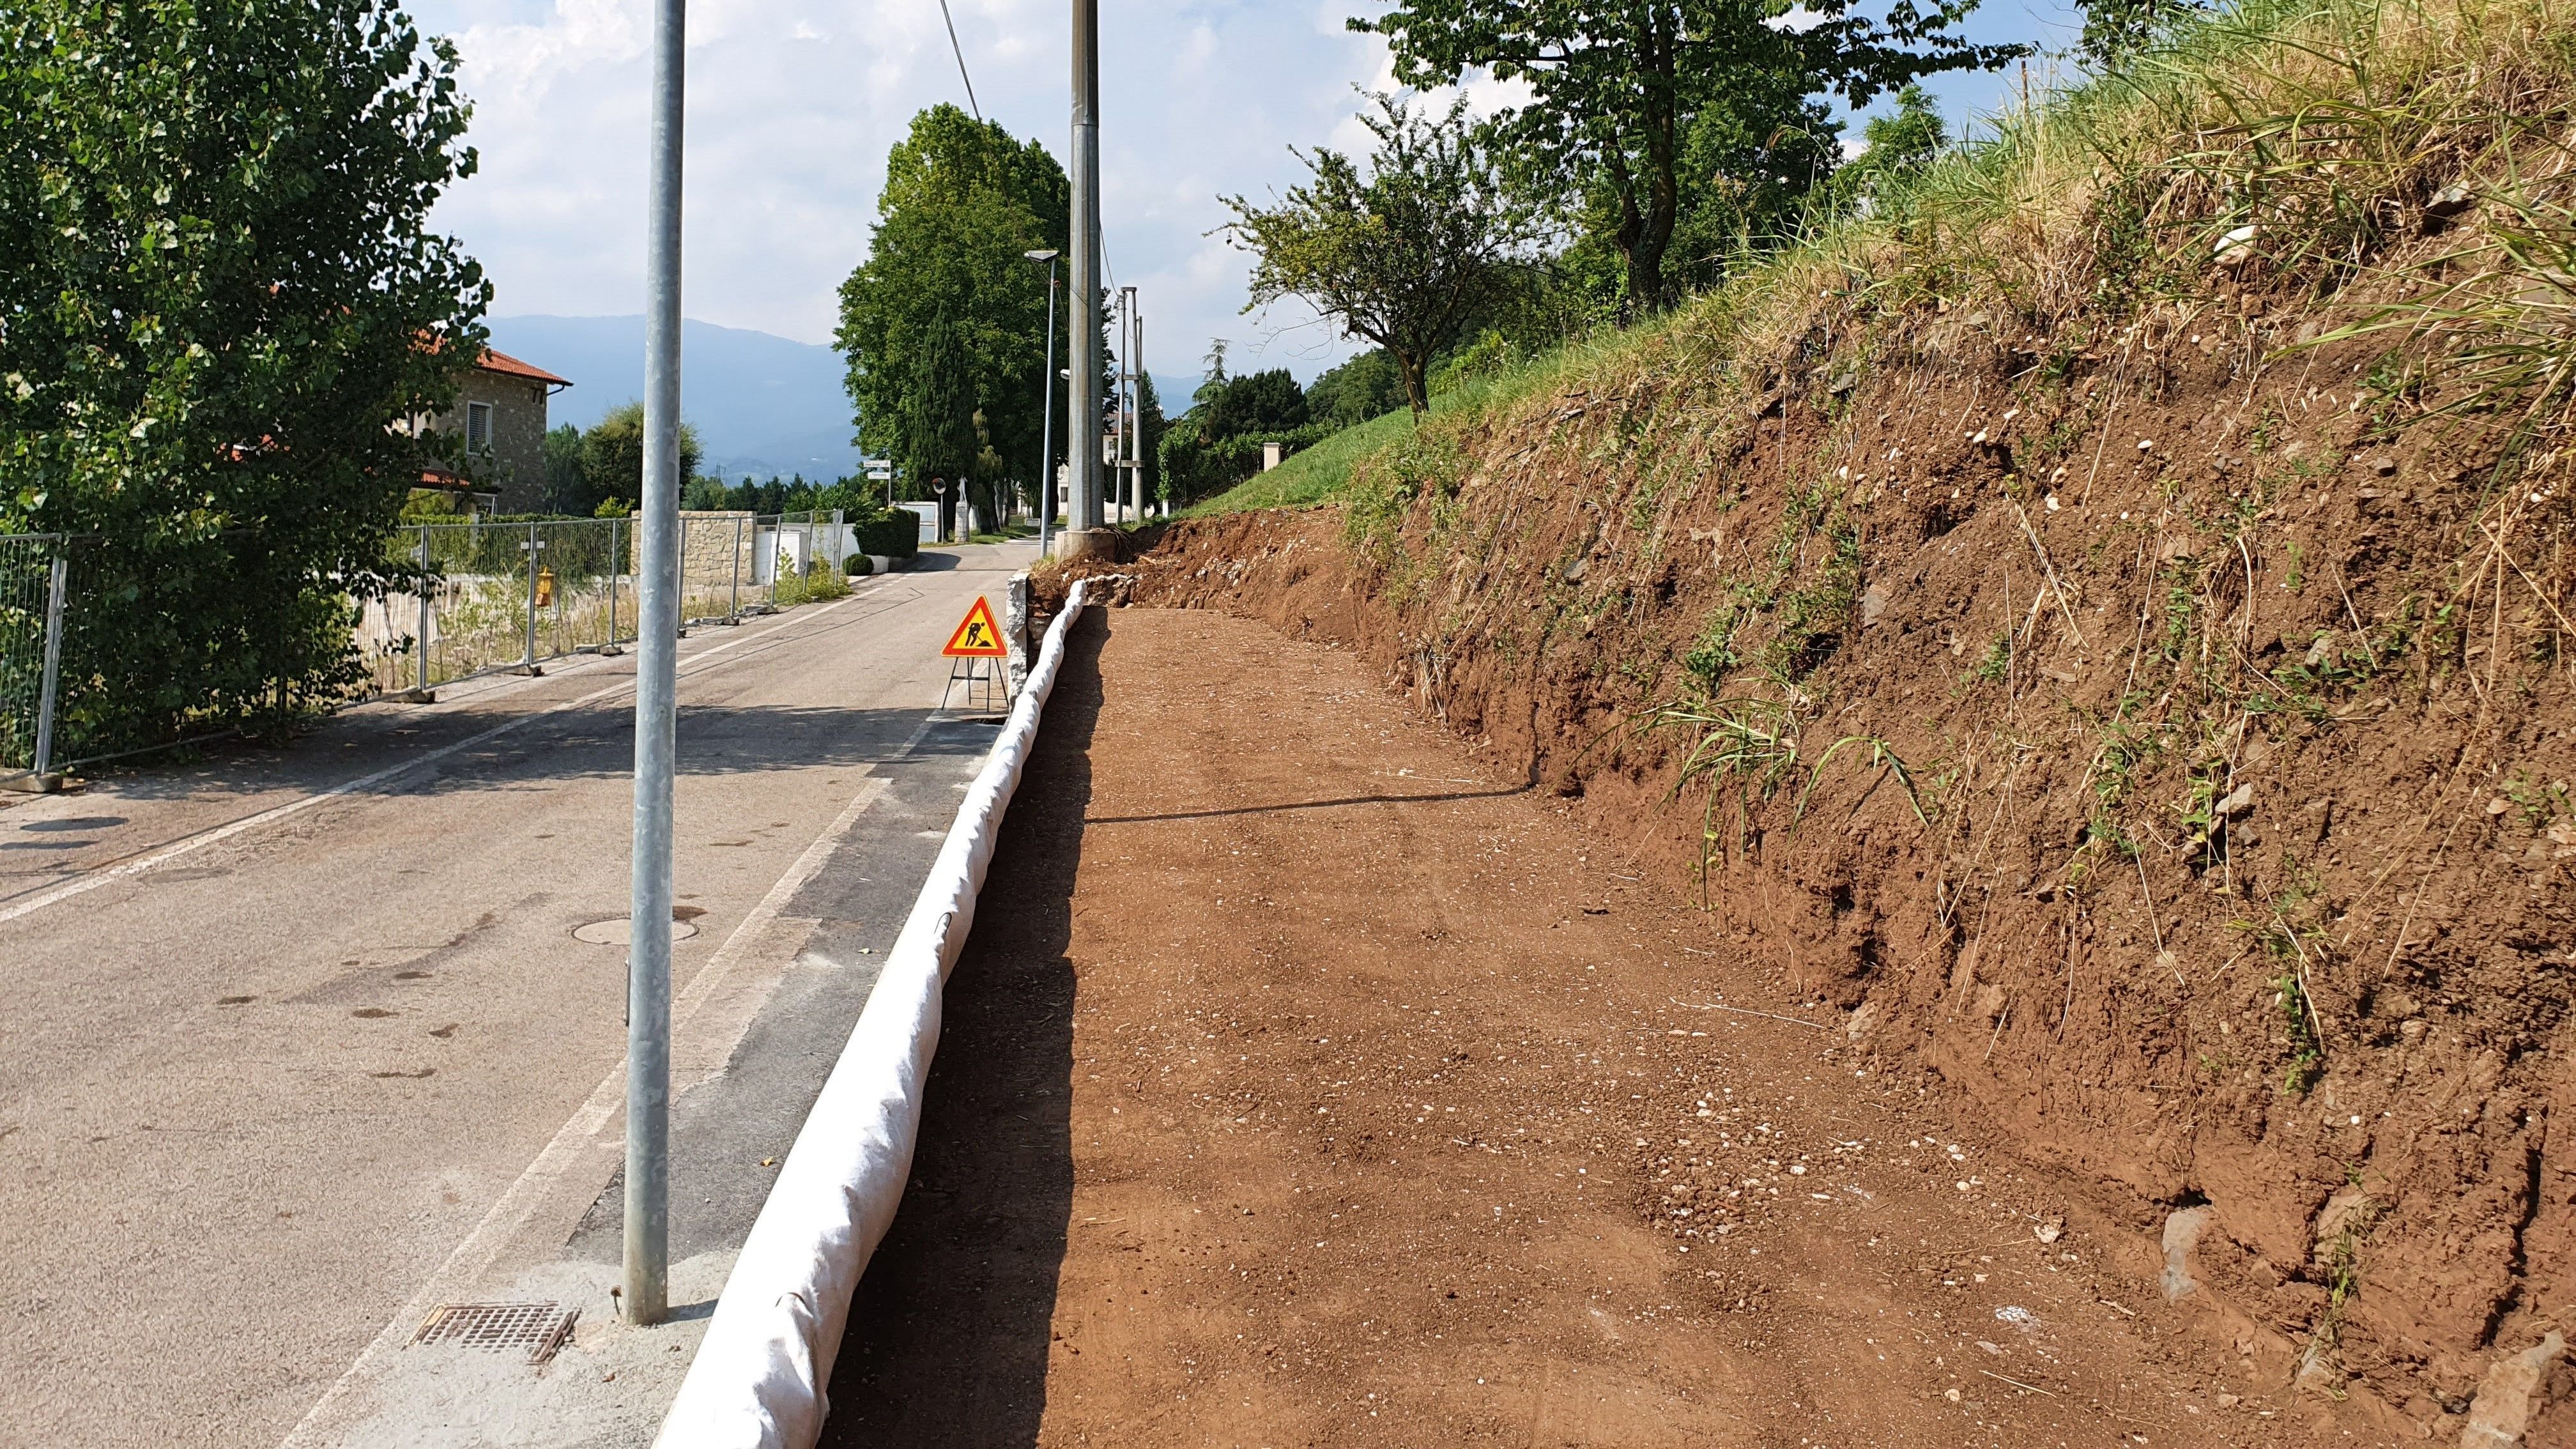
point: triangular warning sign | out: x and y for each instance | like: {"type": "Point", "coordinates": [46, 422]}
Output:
{"type": "Point", "coordinates": [978, 637]}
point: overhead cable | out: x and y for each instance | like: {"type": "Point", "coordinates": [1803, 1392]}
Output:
{"type": "Point", "coordinates": [960, 52]}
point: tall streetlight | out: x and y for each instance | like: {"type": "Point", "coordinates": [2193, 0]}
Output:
{"type": "Point", "coordinates": [657, 652]}
{"type": "Point", "coordinates": [1046, 410]}
{"type": "Point", "coordinates": [1082, 402]}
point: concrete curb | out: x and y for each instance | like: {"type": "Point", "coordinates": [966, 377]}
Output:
{"type": "Point", "coordinates": [758, 1378]}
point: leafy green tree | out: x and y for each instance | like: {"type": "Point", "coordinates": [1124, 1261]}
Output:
{"type": "Point", "coordinates": [1900, 145]}
{"type": "Point", "coordinates": [962, 202]}
{"type": "Point", "coordinates": [1747, 169]}
{"type": "Point", "coordinates": [2114, 29]}
{"type": "Point", "coordinates": [220, 308]}
{"type": "Point", "coordinates": [567, 489]}
{"type": "Point", "coordinates": [1406, 256]}
{"type": "Point", "coordinates": [1150, 428]}
{"type": "Point", "coordinates": [612, 460]}
{"type": "Point", "coordinates": [1254, 402]}
{"type": "Point", "coordinates": [1365, 387]}
{"type": "Point", "coordinates": [1623, 90]}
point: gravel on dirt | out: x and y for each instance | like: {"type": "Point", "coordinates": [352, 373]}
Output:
{"type": "Point", "coordinates": [1309, 1081]}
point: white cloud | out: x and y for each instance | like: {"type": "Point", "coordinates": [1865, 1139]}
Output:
{"type": "Point", "coordinates": [793, 103]}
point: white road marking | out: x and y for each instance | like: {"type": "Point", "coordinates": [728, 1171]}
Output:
{"type": "Point", "coordinates": [474, 1256]}
{"type": "Point", "coordinates": [81, 885]}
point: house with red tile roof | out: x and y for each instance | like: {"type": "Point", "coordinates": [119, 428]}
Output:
{"type": "Point", "coordinates": [500, 417]}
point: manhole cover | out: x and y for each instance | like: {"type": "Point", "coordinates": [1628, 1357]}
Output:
{"type": "Point", "coordinates": [540, 1328]}
{"type": "Point", "coordinates": [621, 932]}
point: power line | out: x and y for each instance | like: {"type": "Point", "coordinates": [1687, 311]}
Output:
{"type": "Point", "coordinates": [960, 52]}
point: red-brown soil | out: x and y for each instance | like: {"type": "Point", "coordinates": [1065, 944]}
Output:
{"type": "Point", "coordinates": [1311, 1079]}
{"type": "Point", "coordinates": [2153, 617]}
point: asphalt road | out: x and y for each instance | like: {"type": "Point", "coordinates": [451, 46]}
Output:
{"type": "Point", "coordinates": [287, 1034]}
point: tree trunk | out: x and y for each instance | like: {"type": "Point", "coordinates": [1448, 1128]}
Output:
{"type": "Point", "coordinates": [1646, 223]}
{"type": "Point", "coordinates": [1411, 369]}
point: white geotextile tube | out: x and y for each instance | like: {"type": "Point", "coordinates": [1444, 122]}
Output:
{"type": "Point", "coordinates": [757, 1382]}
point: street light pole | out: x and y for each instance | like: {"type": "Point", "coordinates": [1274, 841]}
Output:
{"type": "Point", "coordinates": [648, 973]}
{"type": "Point", "coordinates": [1082, 400]}
{"type": "Point", "coordinates": [1046, 412]}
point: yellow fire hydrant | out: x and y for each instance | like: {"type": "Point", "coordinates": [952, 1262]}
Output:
{"type": "Point", "coordinates": [545, 588]}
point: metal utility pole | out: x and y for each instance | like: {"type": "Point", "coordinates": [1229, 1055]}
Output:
{"type": "Point", "coordinates": [1131, 413]}
{"type": "Point", "coordinates": [1114, 426]}
{"type": "Point", "coordinates": [1082, 400]}
{"type": "Point", "coordinates": [648, 973]}
{"type": "Point", "coordinates": [1046, 412]}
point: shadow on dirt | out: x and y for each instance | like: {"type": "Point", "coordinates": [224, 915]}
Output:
{"type": "Point", "coordinates": [947, 1339]}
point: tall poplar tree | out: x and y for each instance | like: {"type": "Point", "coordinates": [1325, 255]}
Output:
{"type": "Point", "coordinates": [219, 302]}
{"type": "Point", "coordinates": [936, 435]}
{"type": "Point", "coordinates": [963, 202]}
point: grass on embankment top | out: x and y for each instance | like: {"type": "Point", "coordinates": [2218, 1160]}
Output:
{"type": "Point", "coordinates": [1322, 473]}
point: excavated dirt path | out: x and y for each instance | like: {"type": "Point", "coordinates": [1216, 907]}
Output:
{"type": "Point", "coordinates": [1330, 1089]}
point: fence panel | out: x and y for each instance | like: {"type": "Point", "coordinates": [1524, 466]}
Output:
{"type": "Point", "coordinates": [499, 595]}
{"type": "Point", "coordinates": [27, 587]}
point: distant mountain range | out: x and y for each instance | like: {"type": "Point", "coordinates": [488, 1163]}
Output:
{"type": "Point", "coordinates": [761, 404]}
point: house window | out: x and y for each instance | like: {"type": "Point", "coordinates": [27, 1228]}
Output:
{"type": "Point", "coordinates": [478, 427]}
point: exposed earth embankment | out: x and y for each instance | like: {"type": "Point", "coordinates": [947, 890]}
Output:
{"type": "Point", "coordinates": [2122, 663]}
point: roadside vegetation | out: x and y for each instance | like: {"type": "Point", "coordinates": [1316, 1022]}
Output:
{"type": "Point", "coordinates": [218, 297]}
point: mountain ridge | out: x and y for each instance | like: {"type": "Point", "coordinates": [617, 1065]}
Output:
{"type": "Point", "coordinates": [761, 403]}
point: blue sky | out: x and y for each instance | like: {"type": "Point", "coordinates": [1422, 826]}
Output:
{"type": "Point", "coordinates": [792, 104]}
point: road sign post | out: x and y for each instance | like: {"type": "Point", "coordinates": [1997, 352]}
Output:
{"type": "Point", "coordinates": [976, 641]}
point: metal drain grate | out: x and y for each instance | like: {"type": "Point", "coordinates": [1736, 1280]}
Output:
{"type": "Point", "coordinates": [540, 1328]}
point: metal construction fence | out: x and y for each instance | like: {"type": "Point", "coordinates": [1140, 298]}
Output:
{"type": "Point", "coordinates": [502, 596]}
{"type": "Point", "coordinates": [514, 595]}
{"type": "Point", "coordinates": [34, 584]}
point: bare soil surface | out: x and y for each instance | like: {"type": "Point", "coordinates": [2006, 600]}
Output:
{"type": "Point", "coordinates": [2171, 762]}
{"type": "Point", "coordinates": [1327, 1084]}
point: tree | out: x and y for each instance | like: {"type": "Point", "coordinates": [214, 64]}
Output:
{"type": "Point", "coordinates": [567, 489]}
{"type": "Point", "coordinates": [961, 203]}
{"type": "Point", "coordinates": [1405, 257]}
{"type": "Point", "coordinates": [1365, 387]}
{"type": "Point", "coordinates": [2114, 29]}
{"type": "Point", "coordinates": [1623, 88]}
{"type": "Point", "coordinates": [1898, 145]}
{"type": "Point", "coordinates": [612, 460]}
{"type": "Point", "coordinates": [1256, 402]}
{"type": "Point", "coordinates": [1150, 427]}
{"type": "Point", "coordinates": [1213, 381]}
{"type": "Point", "coordinates": [938, 438]}
{"type": "Point", "coordinates": [220, 307]}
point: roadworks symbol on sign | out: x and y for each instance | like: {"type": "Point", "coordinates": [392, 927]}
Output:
{"type": "Point", "coordinates": [978, 637]}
